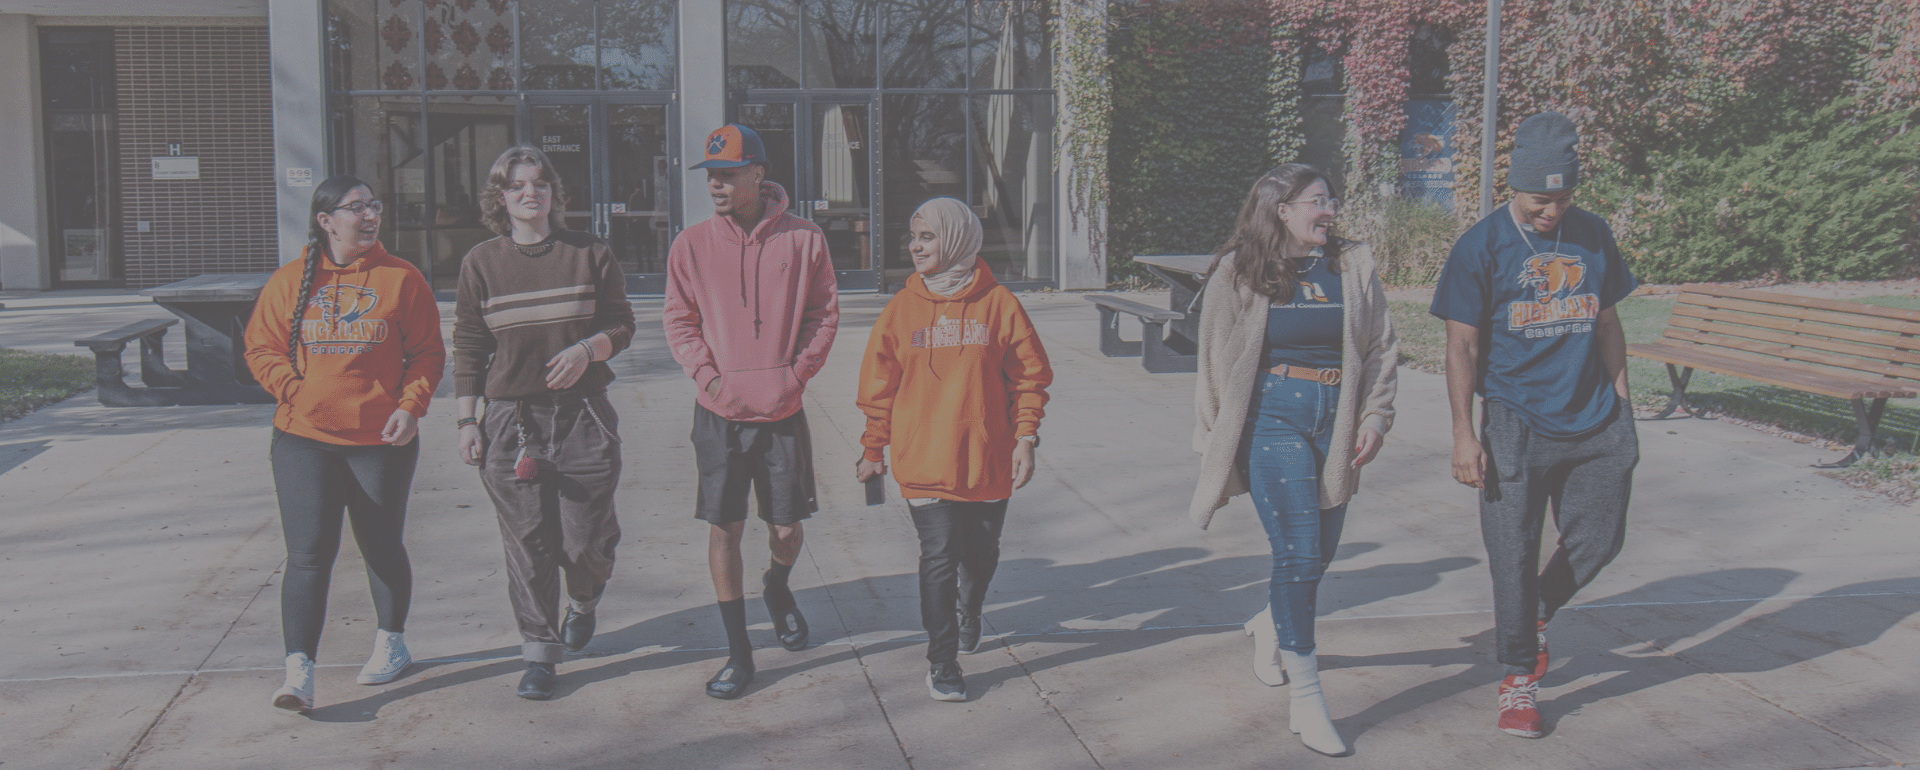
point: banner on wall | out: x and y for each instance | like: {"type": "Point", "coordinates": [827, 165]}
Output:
{"type": "Point", "coordinates": [1426, 151]}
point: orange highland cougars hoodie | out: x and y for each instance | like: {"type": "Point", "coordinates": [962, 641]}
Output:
{"type": "Point", "coordinates": [372, 345]}
{"type": "Point", "coordinates": [949, 382]}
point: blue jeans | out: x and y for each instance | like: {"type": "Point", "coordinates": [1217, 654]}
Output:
{"type": "Point", "coordinates": [1284, 446]}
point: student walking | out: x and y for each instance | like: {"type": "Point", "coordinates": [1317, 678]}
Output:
{"type": "Point", "coordinates": [1297, 362]}
{"type": "Point", "coordinates": [347, 339]}
{"type": "Point", "coordinates": [1528, 297]}
{"type": "Point", "coordinates": [750, 314]}
{"type": "Point", "coordinates": [540, 309]}
{"type": "Point", "coordinates": [955, 381]}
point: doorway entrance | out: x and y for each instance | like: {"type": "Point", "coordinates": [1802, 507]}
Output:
{"type": "Point", "coordinates": [820, 149]}
{"type": "Point", "coordinates": [615, 161]}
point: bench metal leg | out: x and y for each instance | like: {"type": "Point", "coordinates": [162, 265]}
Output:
{"type": "Point", "coordinates": [1161, 357]}
{"type": "Point", "coordinates": [1678, 398]}
{"type": "Point", "coordinates": [1867, 420]}
{"type": "Point", "coordinates": [1111, 345]}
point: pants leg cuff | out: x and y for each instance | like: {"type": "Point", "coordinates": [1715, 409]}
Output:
{"type": "Point", "coordinates": [585, 607]}
{"type": "Point", "coordinates": [543, 652]}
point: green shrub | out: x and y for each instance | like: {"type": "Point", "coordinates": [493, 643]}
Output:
{"type": "Point", "coordinates": [1411, 240]}
{"type": "Point", "coordinates": [1828, 196]}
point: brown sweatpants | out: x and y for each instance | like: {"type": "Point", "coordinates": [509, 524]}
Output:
{"type": "Point", "coordinates": [560, 522]}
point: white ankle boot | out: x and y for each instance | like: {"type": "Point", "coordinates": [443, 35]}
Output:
{"type": "Point", "coordinates": [1266, 649]}
{"type": "Point", "coordinates": [389, 659]}
{"type": "Point", "coordinates": [1307, 715]}
{"type": "Point", "coordinates": [297, 693]}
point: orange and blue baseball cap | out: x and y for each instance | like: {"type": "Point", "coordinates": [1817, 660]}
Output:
{"type": "Point", "coordinates": [732, 146]}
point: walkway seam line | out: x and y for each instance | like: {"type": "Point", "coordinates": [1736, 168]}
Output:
{"type": "Point", "coordinates": [852, 646]}
{"type": "Point", "coordinates": [1051, 706]}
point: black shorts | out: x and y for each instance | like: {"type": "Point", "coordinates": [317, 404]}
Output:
{"type": "Point", "coordinates": [774, 458]}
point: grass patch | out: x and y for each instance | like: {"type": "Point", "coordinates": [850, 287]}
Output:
{"type": "Point", "coordinates": [29, 381]}
{"type": "Point", "coordinates": [1423, 346]}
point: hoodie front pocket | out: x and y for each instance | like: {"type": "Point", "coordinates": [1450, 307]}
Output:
{"type": "Point", "coordinates": [757, 392]}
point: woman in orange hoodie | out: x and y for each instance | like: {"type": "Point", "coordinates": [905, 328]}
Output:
{"type": "Point", "coordinates": [955, 380]}
{"type": "Point", "coordinates": [347, 339]}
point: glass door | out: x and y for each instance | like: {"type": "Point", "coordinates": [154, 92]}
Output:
{"type": "Point", "coordinates": [820, 150]}
{"type": "Point", "coordinates": [616, 164]}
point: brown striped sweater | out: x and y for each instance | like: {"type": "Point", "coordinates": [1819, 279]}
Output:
{"type": "Point", "coordinates": [514, 313]}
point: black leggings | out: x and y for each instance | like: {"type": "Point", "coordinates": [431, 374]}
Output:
{"type": "Point", "coordinates": [316, 483]}
{"type": "Point", "coordinates": [959, 551]}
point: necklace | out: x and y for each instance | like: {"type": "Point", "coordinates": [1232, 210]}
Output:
{"type": "Point", "coordinates": [541, 249]}
{"type": "Point", "coordinates": [1557, 232]}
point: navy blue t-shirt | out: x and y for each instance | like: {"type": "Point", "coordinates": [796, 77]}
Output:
{"type": "Point", "coordinates": [1307, 330]}
{"type": "Point", "coordinates": [1536, 299]}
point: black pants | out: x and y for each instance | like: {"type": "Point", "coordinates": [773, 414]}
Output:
{"type": "Point", "coordinates": [959, 550]}
{"type": "Point", "coordinates": [1586, 483]}
{"type": "Point", "coordinates": [317, 483]}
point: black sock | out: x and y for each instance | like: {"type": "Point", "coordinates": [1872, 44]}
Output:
{"type": "Point", "coordinates": [733, 615]}
{"type": "Point", "coordinates": [777, 593]}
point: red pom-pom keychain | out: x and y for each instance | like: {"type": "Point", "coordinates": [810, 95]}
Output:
{"type": "Point", "coordinates": [524, 466]}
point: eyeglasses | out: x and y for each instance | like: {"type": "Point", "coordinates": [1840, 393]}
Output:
{"type": "Point", "coordinates": [1321, 201]}
{"type": "Point", "coordinates": [362, 209]}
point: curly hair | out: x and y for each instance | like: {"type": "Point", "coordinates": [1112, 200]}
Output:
{"type": "Point", "coordinates": [493, 204]}
{"type": "Point", "coordinates": [1259, 234]}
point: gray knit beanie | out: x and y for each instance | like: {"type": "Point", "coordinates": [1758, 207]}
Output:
{"type": "Point", "coordinates": [1543, 159]}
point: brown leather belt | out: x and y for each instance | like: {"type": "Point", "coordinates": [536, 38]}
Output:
{"type": "Point", "coordinates": [1322, 376]}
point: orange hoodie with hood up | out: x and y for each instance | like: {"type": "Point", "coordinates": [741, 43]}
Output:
{"type": "Point", "coordinates": [949, 383]}
{"type": "Point", "coordinates": [372, 343]}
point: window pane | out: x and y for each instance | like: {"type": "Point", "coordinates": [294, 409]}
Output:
{"type": "Point", "coordinates": [556, 51]}
{"type": "Point", "coordinates": [639, 195]}
{"type": "Point", "coordinates": [374, 44]}
{"type": "Point", "coordinates": [1013, 184]}
{"type": "Point", "coordinates": [924, 44]}
{"type": "Point", "coordinates": [469, 46]}
{"type": "Point", "coordinates": [1012, 45]}
{"type": "Point", "coordinates": [763, 44]}
{"type": "Point", "coordinates": [840, 43]}
{"type": "Point", "coordinates": [637, 45]}
{"type": "Point", "coordinates": [565, 133]}
{"type": "Point", "coordinates": [774, 124]}
{"type": "Point", "coordinates": [76, 68]}
{"type": "Point", "coordinates": [464, 137]}
{"type": "Point", "coordinates": [842, 173]}
{"type": "Point", "coordinates": [924, 142]}
{"type": "Point", "coordinates": [1324, 123]}
{"type": "Point", "coordinates": [379, 141]}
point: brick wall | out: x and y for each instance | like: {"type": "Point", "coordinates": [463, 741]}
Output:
{"type": "Point", "coordinates": [209, 90]}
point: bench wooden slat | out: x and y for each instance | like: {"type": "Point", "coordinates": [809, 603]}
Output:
{"type": "Point", "coordinates": [118, 338]}
{"type": "Point", "coordinates": [1839, 318]}
{"type": "Point", "coordinates": [1841, 306]}
{"type": "Point", "coordinates": [1717, 337]}
{"type": "Point", "coordinates": [1146, 312]}
{"type": "Point", "coordinates": [1770, 372]}
{"type": "Point", "coordinates": [1894, 343]}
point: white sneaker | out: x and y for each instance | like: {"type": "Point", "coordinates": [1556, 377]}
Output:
{"type": "Point", "coordinates": [390, 658]}
{"type": "Point", "coordinates": [297, 693]}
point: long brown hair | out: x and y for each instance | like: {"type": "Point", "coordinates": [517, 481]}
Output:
{"type": "Point", "coordinates": [1259, 234]}
{"type": "Point", "coordinates": [493, 204]}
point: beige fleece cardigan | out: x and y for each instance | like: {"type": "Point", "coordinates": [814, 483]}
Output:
{"type": "Point", "coordinates": [1233, 334]}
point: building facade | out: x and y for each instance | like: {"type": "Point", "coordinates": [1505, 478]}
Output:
{"type": "Point", "coordinates": [174, 145]}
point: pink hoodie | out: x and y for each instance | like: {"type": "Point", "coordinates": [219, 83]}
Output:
{"type": "Point", "coordinates": [758, 310]}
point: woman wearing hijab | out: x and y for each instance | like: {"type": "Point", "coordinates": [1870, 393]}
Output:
{"type": "Point", "coordinates": [1296, 364]}
{"type": "Point", "coordinates": [955, 381]}
{"type": "Point", "coordinates": [347, 339]}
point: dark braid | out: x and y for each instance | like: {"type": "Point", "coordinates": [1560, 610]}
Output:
{"type": "Point", "coordinates": [326, 197]}
{"type": "Point", "coordinates": [294, 330]}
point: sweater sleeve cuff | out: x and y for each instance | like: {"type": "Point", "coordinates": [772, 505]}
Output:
{"type": "Point", "coordinates": [874, 454]}
{"type": "Point", "coordinates": [466, 385]}
{"type": "Point", "coordinates": [415, 406]}
{"type": "Point", "coordinates": [704, 375]}
{"type": "Point", "coordinates": [1377, 422]}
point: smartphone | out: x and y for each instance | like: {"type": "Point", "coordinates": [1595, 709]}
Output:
{"type": "Point", "coordinates": [877, 490]}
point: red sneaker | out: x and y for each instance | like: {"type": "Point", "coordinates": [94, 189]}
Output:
{"type": "Point", "coordinates": [1540, 666]}
{"type": "Point", "coordinates": [1518, 716]}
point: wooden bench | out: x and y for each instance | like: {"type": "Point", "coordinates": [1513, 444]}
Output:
{"type": "Point", "coordinates": [1159, 350]}
{"type": "Point", "coordinates": [110, 377]}
{"type": "Point", "coordinates": [1827, 347]}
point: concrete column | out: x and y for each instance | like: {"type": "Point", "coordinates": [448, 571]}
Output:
{"type": "Point", "coordinates": [24, 262]}
{"type": "Point", "coordinates": [295, 32]}
{"type": "Point", "coordinates": [703, 98]}
{"type": "Point", "coordinates": [1082, 265]}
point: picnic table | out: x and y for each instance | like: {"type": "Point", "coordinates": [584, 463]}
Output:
{"type": "Point", "coordinates": [214, 308]}
{"type": "Point", "coordinates": [1169, 339]}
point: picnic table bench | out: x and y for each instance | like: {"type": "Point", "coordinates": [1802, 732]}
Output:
{"type": "Point", "coordinates": [1169, 338]}
{"type": "Point", "coordinates": [1861, 353]}
{"type": "Point", "coordinates": [215, 308]}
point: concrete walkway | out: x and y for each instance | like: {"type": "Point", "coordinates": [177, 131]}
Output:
{"type": "Point", "coordinates": [1761, 616]}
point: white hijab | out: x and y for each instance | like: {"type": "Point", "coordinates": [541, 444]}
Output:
{"type": "Point", "coordinates": [958, 231]}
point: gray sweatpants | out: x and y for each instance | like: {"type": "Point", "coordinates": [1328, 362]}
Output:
{"type": "Point", "coordinates": [560, 522]}
{"type": "Point", "coordinates": [1587, 482]}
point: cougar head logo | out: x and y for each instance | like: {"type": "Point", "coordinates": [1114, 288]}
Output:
{"type": "Point", "coordinates": [1552, 275]}
{"type": "Point", "coordinates": [345, 303]}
